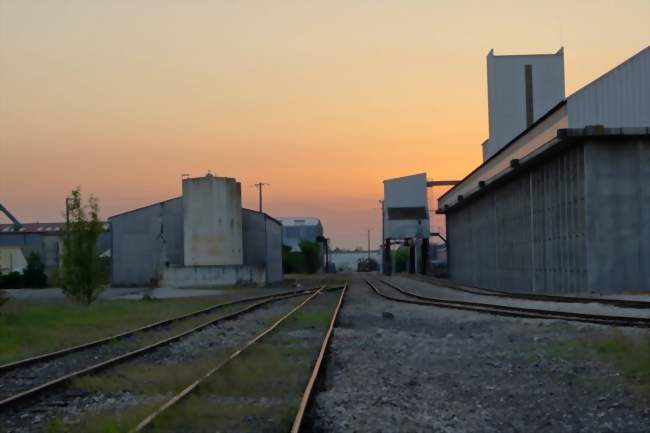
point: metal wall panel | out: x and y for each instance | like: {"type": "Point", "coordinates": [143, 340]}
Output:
{"type": "Point", "coordinates": [527, 234]}
{"type": "Point", "coordinates": [620, 98]}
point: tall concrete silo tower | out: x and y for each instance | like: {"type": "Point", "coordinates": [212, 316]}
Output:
{"type": "Point", "coordinates": [521, 89]}
{"type": "Point", "coordinates": [212, 221]}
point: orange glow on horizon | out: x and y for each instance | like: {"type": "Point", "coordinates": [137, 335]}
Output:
{"type": "Point", "coordinates": [322, 100]}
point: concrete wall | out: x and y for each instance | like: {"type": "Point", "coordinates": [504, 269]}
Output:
{"type": "Point", "coordinates": [144, 240]}
{"type": "Point", "coordinates": [527, 234]}
{"type": "Point", "coordinates": [205, 276]}
{"type": "Point", "coordinates": [507, 93]}
{"type": "Point", "coordinates": [212, 221]}
{"type": "Point", "coordinates": [617, 181]}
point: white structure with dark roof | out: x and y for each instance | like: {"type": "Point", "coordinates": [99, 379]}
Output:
{"type": "Point", "coordinates": [298, 229]}
{"type": "Point", "coordinates": [521, 89]}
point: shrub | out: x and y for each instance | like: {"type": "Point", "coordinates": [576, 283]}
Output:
{"type": "Point", "coordinates": [34, 274]}
{"type": "Point", "coordinates": [3, 297]}
{"type": "Point", "coordinates": [13, 280]}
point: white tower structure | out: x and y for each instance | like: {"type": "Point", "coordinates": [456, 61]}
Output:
{"type": "Point", "coordinates": [521, 89]}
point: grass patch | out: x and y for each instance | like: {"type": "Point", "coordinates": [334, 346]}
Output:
{"type": "Point", "coordinates": [627, 354]}
{"type": "Point", "coordinates": [29, 327]}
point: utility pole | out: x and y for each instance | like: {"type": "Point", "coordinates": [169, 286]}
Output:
{"type": "Point", "coordinates": [260, 186]}
{"type": "Point", "coordinates": [368, 245]}
{"type": "Point", "coordinates": [383, 232]}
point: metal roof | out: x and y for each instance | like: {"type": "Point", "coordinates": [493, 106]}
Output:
{"type": "Point", "coordinates": [299, 221]}
{"type": "Point", "coordinates": [39, 228]}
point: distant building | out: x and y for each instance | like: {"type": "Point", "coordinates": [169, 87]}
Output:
{"type": "Point", "coordinates": [347, 261]}
{"type": "Point", "coordinates": [564, 206]}
{"type": "Point", "coordinates": [298, 229]}
{"type": "Point", "coordinates": [16, 242]}
{"type": "Point", "coordinates": [203, 237]}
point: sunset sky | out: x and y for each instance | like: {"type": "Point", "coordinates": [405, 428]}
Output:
{"type": "Point", "coordinates": [321, 99]}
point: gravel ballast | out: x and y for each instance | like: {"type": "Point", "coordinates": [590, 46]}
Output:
{"type": "Point", "coordinates": [411, 368]}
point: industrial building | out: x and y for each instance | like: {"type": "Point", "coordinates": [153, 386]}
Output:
{"type": "Point", "coordinates": [18, 240]}
{"type": "Point", "coordinates": [298, 229]}
{"type": "Point", "coordinates": [564, 205]}
{"type": "Point", "coordinates": [204, 237]}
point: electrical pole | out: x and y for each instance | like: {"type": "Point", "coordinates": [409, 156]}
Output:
{"type": "Point", "coordinates": [260, 186]}
{"type": "Point", "coordinates": [368, 245]}
{"type": "Point", "coordinates": [383, 234]}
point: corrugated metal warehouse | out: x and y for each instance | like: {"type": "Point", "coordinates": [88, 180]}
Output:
{"type": "Point", "coordinates": [564, 207]}
{"type": "Point", "coordinates": [201, 238]}
{"type": "Point", "coordinates": [17, 241]}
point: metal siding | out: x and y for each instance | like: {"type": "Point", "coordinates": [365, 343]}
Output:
{"type": "Point", "coordinates": [137, 247]}
{"type": "Point", "coordinates": [525, 235]}
{"type": "Point", "coordinates": [406, 192]}
{"type": "Point", "coordinates": [620, 98]}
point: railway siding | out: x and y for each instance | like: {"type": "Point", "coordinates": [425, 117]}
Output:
{"type": "Point", "coordinates": [462, 371]}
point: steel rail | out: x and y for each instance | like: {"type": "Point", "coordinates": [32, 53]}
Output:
{"type": "Point", "coordinates": [37, 390]}
{"type": "Point", "coordinates": [187, 390]}
{"type": "Point", "coordinates": [502, 310]}
{"type": "Point", "coordinates": [307, 394]}
{"type": "Point", "coordinates": [623, 303]}
{"type": "Point", "coordinates": [48, 356]}
{"type": "Point", "coordinates": [634, 321]}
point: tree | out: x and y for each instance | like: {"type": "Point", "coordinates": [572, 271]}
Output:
{"type": "Point", "coordinates": [311, 253]}
{"type": "Point", "coordinates": [402, 259]}
{"type": "Point", "coordinates": [34, 274]}
{"type": "Point", "coordinates": [80, 265]}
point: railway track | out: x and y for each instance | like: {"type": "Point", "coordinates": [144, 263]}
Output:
{"type": "Point", "coordinates": [27, 379]}
{"type": "Point", "coordinates": [298, 421]}
{"type": "Point", "coordinates": [623, 303]}
{"type": "Point", "coordinates": [501, 310]}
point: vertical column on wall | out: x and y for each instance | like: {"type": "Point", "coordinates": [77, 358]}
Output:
{"type": "Point", "coordinates": [388, 265]}
{"type": "Point", "coordinates": [424, 255]}
{"type": "Point", "coordinates": [532, 231]}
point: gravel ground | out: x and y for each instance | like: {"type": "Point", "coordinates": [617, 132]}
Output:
{"type": "Point", "coordinates": [428, 289]}
{"type": "Point", "coordinates": [408, 368]}
{"type": "Point", "coordinates": [71, 403]}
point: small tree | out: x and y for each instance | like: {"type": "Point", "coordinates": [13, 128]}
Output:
{"type": "Point", "coordinates": [311, 253]}
{"type": "Point", "coordinates": [80, 273]}
{"type": "Point", "coordinates": [34, 274]}
{"type": "Point", "coordinates": [402, 259]}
